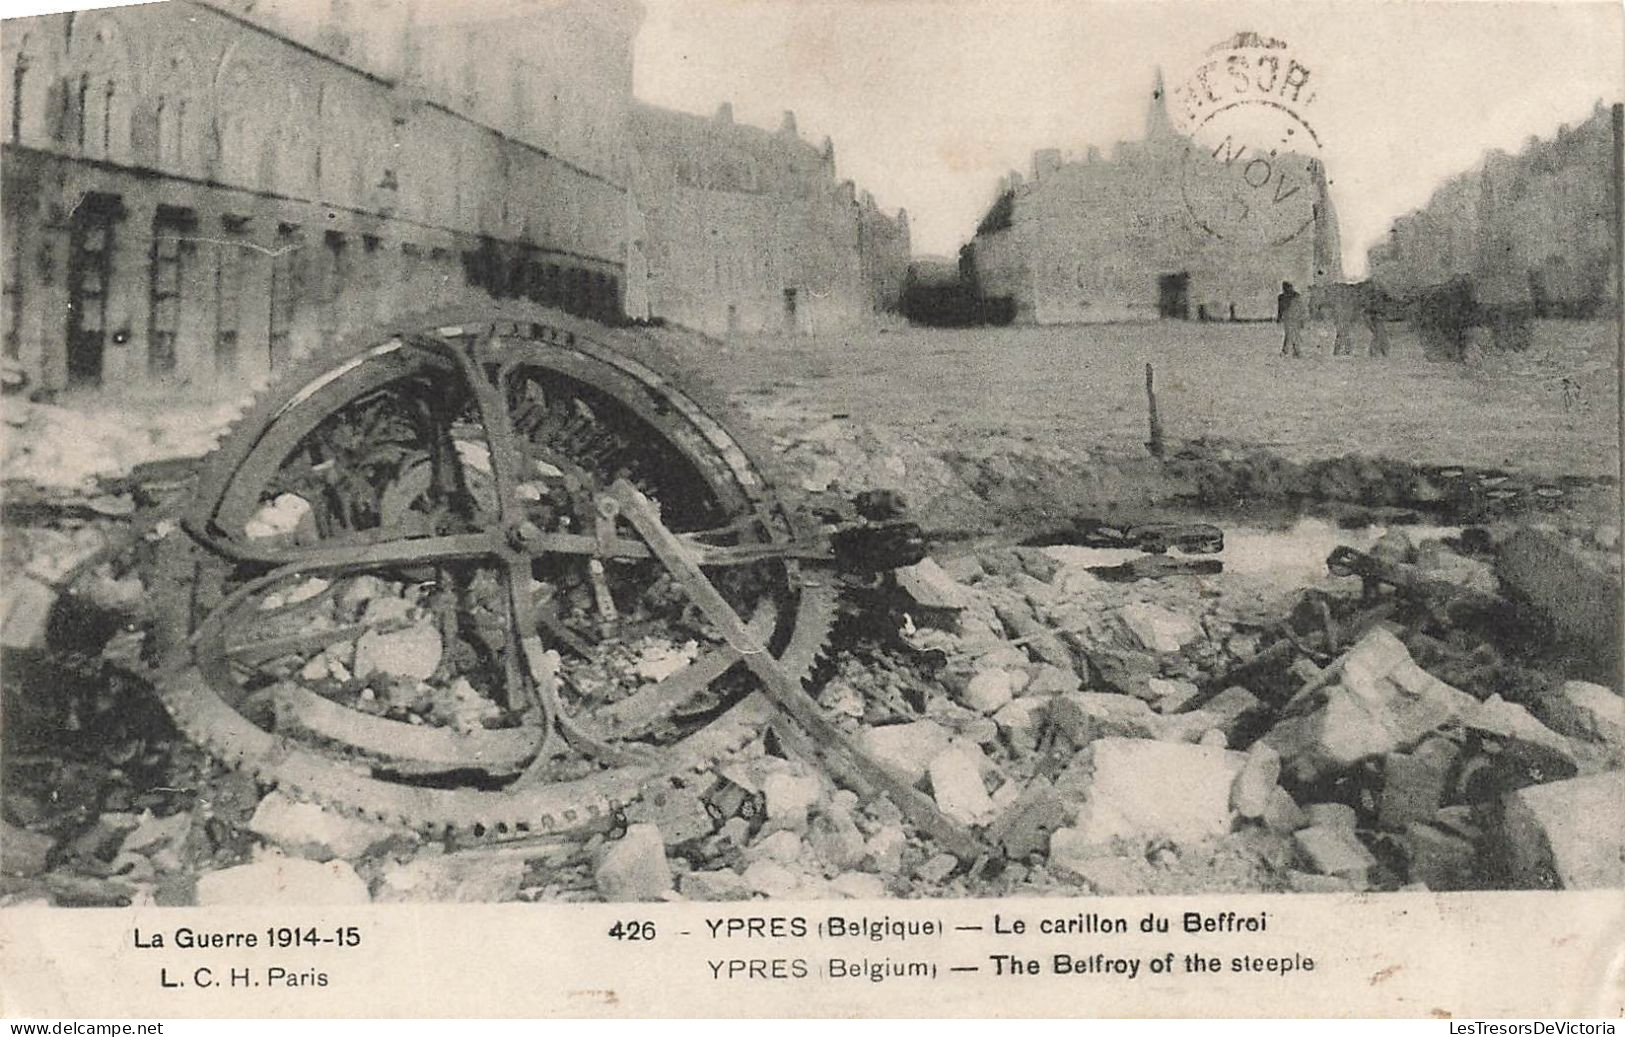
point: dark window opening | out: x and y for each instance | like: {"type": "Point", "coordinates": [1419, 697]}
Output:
{"type": "Point", "coordinates": [90, 270]}
{"type": "Point", "coordinates": [1173, 296]}
{"type": "Point", "coordinates": [286, 274]}
{"type": "Point", "coordinates": [173, 253]}
{"type": "Point", "coordinates": [18, 74]}
{"type": "Point", "coordinates": [228, 293]}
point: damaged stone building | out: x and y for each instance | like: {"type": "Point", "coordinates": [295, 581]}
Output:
{"type": "Point", "coordinates": [1531, 228]}
{"type": "Point", "coordinates": [748, 230]}
{"type": "Point", "coordinates": [193, 195]}
{"type": "Point", "coordinates": [1099, 239]}
{"type": "Point", "coordinates": [196, 191]}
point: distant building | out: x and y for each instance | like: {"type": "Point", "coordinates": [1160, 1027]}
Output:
{"type": "Point", "coordinates": [747, 230]}
{"type": "Point", "coordinates": [195, 191]}
{"type": "Point", "coordinates": [1112, 239]}
{"type": "Point", "coordinates": [1531, 229]}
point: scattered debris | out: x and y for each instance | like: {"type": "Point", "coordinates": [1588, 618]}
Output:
{"type": "Point", "coordinates": [1559, 835]}
{"type": "Point", "coordinates": [282, 880]}
{"type": "Point", "coordinates": [634, 867]}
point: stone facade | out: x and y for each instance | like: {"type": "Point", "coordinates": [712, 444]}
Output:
{"type": "Point", "coordinates": [1526, 229]}
{"type": "Point", "coordinates": [191, 196]}
{"type": "Point", "coordinates": [1102, 239]}
{"type": "Point", "coordinates": [748, 230]}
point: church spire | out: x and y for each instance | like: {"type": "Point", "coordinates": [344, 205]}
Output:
{"type": "Point", "coordinates": [1157, 124]}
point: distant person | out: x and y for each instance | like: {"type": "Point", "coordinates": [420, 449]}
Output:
{"type": "Point", "coordinates": [1355, 304]}
{"type": "Point", "coordinates": [1293, 313]}
{"type": "Point", "coordinates": [1376, 317]}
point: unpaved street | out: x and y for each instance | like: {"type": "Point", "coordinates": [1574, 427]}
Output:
{"type": "Point", "coordinates": [1551, 410]}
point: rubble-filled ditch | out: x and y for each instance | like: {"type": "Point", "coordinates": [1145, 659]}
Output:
{"type": "Point", "coordinates": [1125, 675]}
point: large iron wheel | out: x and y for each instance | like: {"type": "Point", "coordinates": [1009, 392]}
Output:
{"type": "Point", "coordinates": [402, 590]}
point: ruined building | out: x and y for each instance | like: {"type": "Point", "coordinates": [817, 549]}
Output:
{"type": "Point", "coordinates": [748, 230]}
{"type": "Point", "coordinates": [1530, 230]}
{"type": "Point", "coordinates": [1100, 238]}
{"type": "Point", "coordinates": [195, 191]}
{"type": "Point", "coordinates": [192, 195]}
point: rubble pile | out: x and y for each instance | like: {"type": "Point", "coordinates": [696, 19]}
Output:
{"type": "Point", "coordinates": [54, 448]}
{"type": "Point", "coordinates": [1435, 714]}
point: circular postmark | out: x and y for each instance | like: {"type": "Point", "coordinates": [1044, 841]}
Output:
{"type": "Point", "coordinates": [1251, 173]}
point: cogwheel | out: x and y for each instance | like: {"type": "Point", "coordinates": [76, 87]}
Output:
{"type": "Point", "coordinates": [434, 482]}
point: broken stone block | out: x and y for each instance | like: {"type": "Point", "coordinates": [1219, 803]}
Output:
{"type": "Point", "coordinates": [1168, 695]}
{"type": "Point", "coordinates": [1146, 790]}
{"type": "Point", "coordinates": [930, 586]}
{"type": "Point", "coordinates": [1331, 815]}
{"type": "Point", "coordinates": [153, 834]}
{"type": "Point", "coordinates": [1255, 785]}
{"type": "Point", "coordinates": [1026, 825]}
{"type": "Point", "coordinates": [634, 867]}
{"type": "Point", "coordinates": [937, 868]}
{"type": "Point", "coordinates": [1334, 850]}
{"type": "Point", "coordinates": [884, 850]}
{"type": "Point", "coordinates": [1157, 628]}
{"type": "Point", "coordinates": [962, 569]}
{"type": "Point", "coordinates": [1071, 849]}
{"type": "Point", "coordinates": [1039, 639]}
{"type": "Point", "coordinates": [386, 608]}
{"type": "Point", "coordinates": [1438, 859]}
{"type": "Point", "coordinates": [475, 878]}
{"type": "Point", "coordinates": [1003, 656]}
{"type": "Point", "coordinates": [1084, 716]}
{"type": "Point", "coordinates": [1051, 680]}
{"type": "Point", "coordinates": [306, 830]}
{"type": "Point", "coordinates": [1229, 713]}
{"type": "Point", "coordinates": [1581, 600]}
{"type": "Point", "coordinates": [988, 690]}
{"type": "Point", "coordinates": [855, 885]}
{"type": "Point", "coordinates": [1125, 671]}
{"type": "Point", "coordinates": [411, 654]}
{"type": "Point", "coordinates": [356, 591]}
{"type": "Point", "coordinates": [772, 879]}
{"type": "Point", "coordinates": [282, 881]}
{"type": "Point", "coordinates": [1511, 724]}
{"type": "Point", "coordinates": [835, 840]}
{"type": "Point", "coordinates": [1282, 814]}
{"type": "Point", "coordinates": [1022, 721]}
{"type": "Point", "coordinates": [1438, 562]}
{"type": "Point", "coordinates": [22, 852]}
{"type": "Point", "coordinates": [782, 846]}
{"type": "Point", "coordinates": [956, 785]}
{"type": "Point", "coordinates": [1112, 876]}
{"type": "Point", "coordinates": [1414, 783]}
{"type": "Point", "coordinates": [714, 885]}
{"type": "Point", "coordinates": [790, 795]}
{"type": "Point", "coordinates": [27, 605]}
{"type": "Point", "coordinates": [1383, 702]}
{"type": "Point", "coordinates": [907, 749]}
{"type": "Point", "coordinates": [1566, 834]}
{"type": "Point", "coordinates": [1580, 709]}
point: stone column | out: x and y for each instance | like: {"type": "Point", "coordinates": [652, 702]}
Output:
{"type": "Point", "coordinates": [124, 356]}
{"type": "Point", "coordinates": [195, 323]}
{"type": "Point", "coordinates": [254, 303]}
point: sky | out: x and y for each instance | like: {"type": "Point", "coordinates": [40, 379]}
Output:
{"type": "Point", "coordinates": [929, 102]}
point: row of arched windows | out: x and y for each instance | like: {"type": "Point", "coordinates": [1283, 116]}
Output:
{"type": "Point", "coordinates": [75, 83]}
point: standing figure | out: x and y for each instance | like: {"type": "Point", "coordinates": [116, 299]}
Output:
{"type": "Point", "coordinates": [1353, 305]}
{"type": "Point", "coordinates": [1376, 317]}
{"type": "Point", "coordinates": [1293, 313]}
